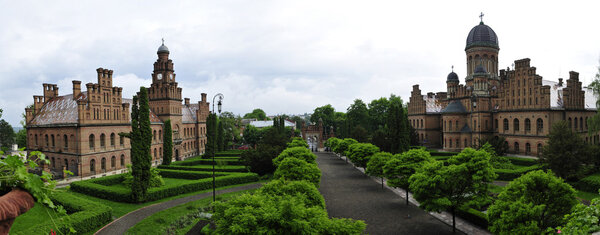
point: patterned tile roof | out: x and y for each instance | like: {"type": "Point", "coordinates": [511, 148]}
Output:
{"type": "Point", "coordinates": [432, 104]}
{"type": "Point", "coordinates": [153, 117]}
{"type": "Point", "coordinates": [59, 110]}
{"type": "Point", "coordinates": [189, 113]}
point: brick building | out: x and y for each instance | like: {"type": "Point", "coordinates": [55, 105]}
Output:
{"type": "Point", "coordinates": [516, 103]}
{"type": "Point", "coordinates": [80, 131]}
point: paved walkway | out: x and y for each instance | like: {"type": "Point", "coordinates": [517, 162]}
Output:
{"type": "Point", "coordinates": [122, 224]}
{"type": "Point", "coordinates": [351, 194]}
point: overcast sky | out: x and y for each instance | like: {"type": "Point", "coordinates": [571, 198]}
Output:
{"type": "Point", "coordinates": [281, 56]}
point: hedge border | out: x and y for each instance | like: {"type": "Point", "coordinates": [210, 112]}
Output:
{"type": "Point", "coordinates": [88, 215]}
{"type": "Point", "coordinates": [225, 168]}
{"type": "Point", "coordinates": [589, 183]}
{"type": "Point", "coordinates": [208, 161]}
{"type": "Point", "coordinates": [194, 175]}
{"type": "Point", "coordinates": [511, 174]}
{"type": "Point", "coordinates": [522, 161]}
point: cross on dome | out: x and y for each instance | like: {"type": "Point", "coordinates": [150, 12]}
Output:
{"type": "Point", "coordinates": [481, 17]}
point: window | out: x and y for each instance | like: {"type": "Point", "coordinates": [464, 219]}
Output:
{"type": "Point", "coordinates": [540, 124]}
{"type": "Point", "coordinates": [539, 149]}
{"type": "Point", "coordinates": [575, 124]}
{"type": "Point", "coordinates": [159, 134]}
{"type": "Point", "coordinates": [154, 135]}
{"type": "Point", "coordinates": [93, 166]}
{"type": "Point", "coordinates": [155, 154]}
{"type": "Point", "coordinates": [466, 143]}
{"type": "Point", "coordinates": [527, 124]}
{"type": "Point", "coordinates": [66, 141]}
{"type": "Point", "coordinates": [53, 143]}
{"type": "Point", "coordinates": [505, 122]}
{"type": "Point", "coordinates": [113, 163]}
{"type": "Point", "coordinates": [66, 164]}
{"type": "Point", "coordinates": [516, 124]}
{"type": "Point", "coordinates": [112, 139]}
{"type": "Point", "coordinates": [580, 123]}
{"type": "Point", "coordinates": [486, 125]}
{"type": "Point", "coordinates": [570, 123]}
{"type": "Point", "coordinates": [474, 125]}
{"type": "Point", "coordinates": [122, 160]}
{"type": "Point", "coordinates": [450, 125]}
{"type": "Point", "coordinates": [53, 163]}
{"type": "Point", "coordinates": [92, 141]}
{"type": "Point", "coordinates": [516, 147]}
{"type": "Point", "coordinates": [450, 143]}
{"type": "Point", "coordinates": [102, 140]}
{"type": "Point", "coordinates": [103, 164]}
{"type": "Point", "coordinates": [457, 125]}
{"type": "Point", "coordinates": [47, 141]}
{"type": "Point", "coordinates": [527, 149]}
{"type": "Point", "coordinates": [121, 141]}
{"type": "Point", "coordinates": [36, 140]}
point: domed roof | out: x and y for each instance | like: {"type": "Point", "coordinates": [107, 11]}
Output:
{"type": "Point", "coordinates": [482, 35]}
{"type": "Point", "coordinates": [163, 48]}
{"type": "Point", "coordinates": [480, 69]}
{"type": "Point", "coordinates": [452, 77]}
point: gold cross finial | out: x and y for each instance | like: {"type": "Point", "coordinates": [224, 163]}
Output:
{"type": "Point", "coordinates": [163, 41]}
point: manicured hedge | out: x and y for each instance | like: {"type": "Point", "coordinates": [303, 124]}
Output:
{"type": "Point", "coordinates": [181, 174]}
{"type": "Point", "coordinates": [85, 216]}
{"type": "Point", "coordinates": [124, 194]}
{"type": "Point", "coordinates": [108, 180]}
{"type": "Point", "coordinates": [440, 158]}
{"type": "Point", "coordinates": [522, 161]}
{"type": "Point", "coordinates": [436, 153]}
{"type": "Point", "coordinates": [474, 216]}
{"type": "Point", "coordinates": [208, 161]}
{"type": "Point", "coordinates": [205, 168]}
{"type": "Point", "coordinates": [510, 174]}
{"type": "Point", "coordinates": [589, 184]}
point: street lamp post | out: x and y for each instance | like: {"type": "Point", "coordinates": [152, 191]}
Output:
{"type": "Point", "coordinates": [215, 139]}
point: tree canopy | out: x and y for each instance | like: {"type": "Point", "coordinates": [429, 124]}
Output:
{"type": "Point", "coordinates": [301, 153]}
{"type": "Point", "coordinates": [292, 168]}
{"type": "Point", "coordinates": [360, 153]}
{"type": "Point", "coordinates": [401, 167]}
{"type": "Point", "coordinates": [564, 152]}
{"type": "Point", "coordinates": [257, 114]}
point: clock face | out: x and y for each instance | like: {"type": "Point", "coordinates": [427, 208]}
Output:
{"type": "Point", "coordinates": [159, 76]}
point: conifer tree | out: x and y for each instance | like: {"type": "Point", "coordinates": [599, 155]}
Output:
{"type": "Point", "coordinates": [210, 135]}
{"type": "Point", "coordinates": [167, 143]}
{"type": "Point", "coordinates": [220, 136]}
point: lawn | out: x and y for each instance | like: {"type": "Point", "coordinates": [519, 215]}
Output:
{"type": "Point", "coordinates": [159, 222]}
{"type": "Point", "coordinates": [39, 212]}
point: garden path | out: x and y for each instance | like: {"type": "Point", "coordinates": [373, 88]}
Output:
{"type": "Point", "coordinates": [122, 224]}
{"type": "Point", "coordinates": [349, 193]}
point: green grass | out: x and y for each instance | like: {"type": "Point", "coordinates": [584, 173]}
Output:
{"type": "Point", "coordinates": [39, 212]}
{"type": "Point", "coordinates": [159, 222]}
{"type": "Point", "coordinates": [587, 195]}
{"type": "Point", "coordinates": [224, 168]}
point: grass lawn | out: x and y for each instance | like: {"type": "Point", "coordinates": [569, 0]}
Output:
{"type": "Point", "coordinates": [39, 212]}
{"type": "Point", "coordinates": [587, 195]}
{"type": "Point", "coordinates": [159, 222]}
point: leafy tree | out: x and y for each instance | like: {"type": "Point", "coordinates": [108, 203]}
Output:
{"type": "Point", "coordinates": [530, 204]}
{"type": "Point", "coordinates": [438, 187]}
{"type": "Point", "coordinates": [155, 179]}
{"type": "Point", "coordinates": [231, 124]}
{"type": "Point", "coordinates": [251, 135]}
{"type": "Point", "coordinates": [260, 159]}
{"type": "Point", "coordinates": [325, 113]}
{"type": "Point", "coordinates": [381, 139]}
{"type": "Point", "coordinates": [401, 167]}
{"type": "Point", "coordinates": [360, 134]}
{"type": "Point", "coordinates": [358, 114]}
{"type": "Point", "coordinates": [299, 122]}
{"type": "Point", "coordinates": [220, 137]}
{"type": "Point", "coordinates": [167, 143]}
{"type": "Point", "coordinates": [340, 126]}
{"type": "Point", "coordinates": [292, 168]}
{"type": "Point", "coordinates": [583, 219]}
{"type": "Point", "coordinates": [594, 121]}
{"type": "Point", "coordinates": [301, 189]}
{"type": "Point", "coordinates": [342, 147]}
{"type": "Point", "coordinates": [141, 140]}
{"type": "Point", "coordinates": [376, 164]}
{"type": "Point", "coordinates": [7, 134]}
{"type": "Point", "coordinates": [301, 153]}
{"type": "Point", "coordinates": [297, 142]}
{"type": "Point", "coordinates": [332, 143]}
{"type": "Point", "coordinates": [564, 152]}
{"type": "Point", "coordinates": [378, 109]}
{"type": "Point", "coordinates": [398, 128]}
{"type": "Point", "coordinates": [257, 114]}
{"type": "Point", "coordinates": [360, 153]}
{"type": "Point", "coordinates": [498, 144]}
{"type": "Point", "coordinates": [21, 138]}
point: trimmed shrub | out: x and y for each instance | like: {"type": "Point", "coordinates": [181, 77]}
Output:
{"type": "Point", "coordinates": [589, 184]}
{"type": "Point", "coordinates": [85, 216]}
{"type": "Point", "coordinates": [220, 161]}
{"type": "Point", "coordinates": [297, 142]}
{"type": "Point", "coordinates": [523, 161]}
{"type": "Point", "coordinates": [302, 189]}
{"type": "Point", "coordinates": [360, 153]}
{"type": "Point", "coordinates": [511, 174]}
{"type": "Point", "coordinates": [474, 216]}
{"type": "Point", "coordinates": [205, 168]}
{"type": "Point", "coordinates": [446, 154]}
{"type": "Point", "coordinates": [193, 175]}
{"type": "Point", "coordinates": [293, 168]}
{"type": "Point", "coordinates": [297, 152]}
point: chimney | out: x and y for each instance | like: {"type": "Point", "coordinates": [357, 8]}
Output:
{"type": "Point", "coordinates": [76, 88]}
{"type": "Point", "coordinates": [187, 101]}
{"type": "Point", "coordinates": [560, 83]}
{"type": "Point", "coordinates": [203, 97]}
{"type": "Point", "coordinates": [574, 75]}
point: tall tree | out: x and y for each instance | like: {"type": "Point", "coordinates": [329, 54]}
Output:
{"type": "Point", "coordinates": [211, 128]}
{"type": "Point", "coordinates": [340, 126]}
{"type": "Point", "coordinates": [7, 134]}
{"type": "Point", "coordinates": [141, 140]}
{"type": "Point", "coordinates": [167, 143]}
{"type": "Point", "coordinates": [378, 109]}
{"type": "Point", "coordinates": [325, 113]}
{"type": "Point", "coordinates": [530, 204]}
{"type": "Point", "coordinates": [438, 187]}
{"type": "Point", "coordinates": [220, 136]}
{"type": "Point", "coordinates": [564, 152]}
{"type": "Point", "coordinates": [398, 132]}
{"type": "Point", "coordinates": [251, 135]}
{"type": "Point", "coordinates": [258, 114]}
{"type": "Point", "coordinates": [402, 166]}
{"type": "Point", "coordinates": [358, 114]}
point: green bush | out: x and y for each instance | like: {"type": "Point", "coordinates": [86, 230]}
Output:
{"type": "Point", "coordinates": [302, 189]}
{"type": "Point", "coordinates": [85, 216]}
{"type": "Point", "coordinates": [193, 175]}
{"type": "Point", "coordinates": [293, 168]}
{"type": "Point", "coordinates": [206, 168]}
{"type": "Point", "coordinates": [297, 152]}
{"type": "Point", "coordinates": [119, 194]}
{"type": "Point", "coordinates": [445, 154]}
{"type": "Point", "coordinates": [155, 178]}
{"type": "Point", "coordinates": [510, 174]}
{"type": "Point", "coordinates": [474, 216]}
{"type": "Point", "coordinates": [220, 160]}
{"type": "Point", "coordinates": [523, 161]}
{"type": "Point", "coordinates": [589, 184]}
{"type": "Point", "coordinates": [360, 153]}
{"type": "Point", "coordinates": [297, 142]}
{"type": "Point", "coordinates": [108, 180]}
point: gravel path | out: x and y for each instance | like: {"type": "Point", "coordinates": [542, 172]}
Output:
{"type": "Point", "coordinates": [351, 194]}
{"type": "Point", "coordinates": [122, 224]}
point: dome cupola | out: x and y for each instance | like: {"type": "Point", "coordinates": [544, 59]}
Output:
{"type": "Point", "coordinates": [482, 35]}
{"type": "Point", "coordinates": [163, 48]}
{"type": "Point", "coordinates": [452, 76]}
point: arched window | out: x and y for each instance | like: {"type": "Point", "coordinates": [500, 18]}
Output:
{"type": "Point", "coordinates": [160, 153]}
{"type": "Point", "coordinates": [36, 140]}
{"type": "Point", "coordinates": [586, 123]}
{"type": "Point", "coordinates": [516, 124]}
{"type": "Point", "coordinates": [155, 154]}
{"type": "Point", "coordinates": [580, 123]}
{"type": "Point", "coordinates": [444, 128]}
{"type": "Point", "coordinates": [93, 165]}
{"type": "Point", "coordinates": [154, 135]}
{"type": "Point", "coordinates": [103, 164]}
{"type": "Point", "coordinates": [457, 143]}
{"type": "Point", "coordinates": [474, 124]}
{"type": "Point", "coordinates": [112, 139]}
{"type": "Point", "coordinates": [53, 163]}
{"type": "Point", "coordinates": [53, 143]}
{"type": "Point", "coordinates": [421, 123]}
{"type": "Point", "coordinates": [450, 143]}
{"type": "Point", "coordinates": [66, 164]}
{"type": "Point", "coordinates": [527, 148]}
{"type": "Point", "coordinates": [121, 141]}
{"type": "Point", "coordinates": [527, 124]}
{"type": "Point", "coordinates": [450, 125]}
{"type": "Point", "coordinates": [66, 141]}
{"type": "Point", "coordinates": [122, 160]}
{"type": "Point", "coordinates": [505, 124]}
{"type": "Point", "coordinates": [159, 134]}
{"type": "Point", "coordinates": [570, 123]}
{"type": "Point", "coordinates": [92, 141]}
{"type": "Point", "coordinates": [102, 140]}
{"type": "Point", "coordinates": [575, 126]}
{"type": "Point", "coordinates": [113, 163]}
{"type": "Point", "coordinates": [540, 124]}
{"type": "Point", "coordinates": [516, 147]}
{"type": "Point", "coordinates": [539, 149]}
